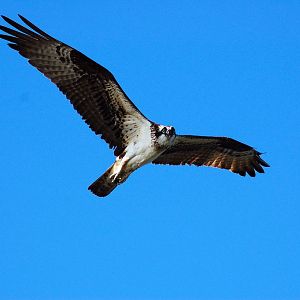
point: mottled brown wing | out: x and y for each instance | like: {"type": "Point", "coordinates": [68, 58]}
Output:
{"type": "Point", "coordinates": [219, 152]}
{"type": "Point", "coordinates": [92, 89]}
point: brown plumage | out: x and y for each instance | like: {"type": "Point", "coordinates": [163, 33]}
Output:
{"type": "Point", "coordinates": [92, 89]}
{"type": "Point", "coordinates": [219, 152]}
{"type": "Point", "coordinates": [103, 105]}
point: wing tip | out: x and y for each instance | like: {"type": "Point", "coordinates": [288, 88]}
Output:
{"type": "Point", "coordinates": [14, 46]}
{"type": "Point", "coordinates": [252, 167]}
{"type": "Point", "coordinates": [8, 20]}
{"type": "Point", "coordinates": [5, 18]}
{"type": "Point", "coordinates": [260, 160]}
{"type": "Point", "coordinates": [24, 19]}
{"type": "Point", "coordinates": [257, 165]}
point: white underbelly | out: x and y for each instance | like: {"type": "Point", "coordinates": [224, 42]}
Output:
{"type": "Point", "coordinates": [141, 156]}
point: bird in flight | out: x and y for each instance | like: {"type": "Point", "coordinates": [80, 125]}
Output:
{"type": "Point", "coordinates": [103, 105]}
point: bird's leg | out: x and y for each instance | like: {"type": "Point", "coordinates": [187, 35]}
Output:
{"type": "Point", "coordinates": [117, 168]}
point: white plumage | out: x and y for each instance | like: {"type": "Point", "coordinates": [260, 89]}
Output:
{"type": "Point", "coordinates": [104, 106]}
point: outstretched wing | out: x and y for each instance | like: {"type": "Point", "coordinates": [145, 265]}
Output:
{"type": "Point", "coordinates": [219, 152]}
{"type": "Point", "coordinates": [92, 89]}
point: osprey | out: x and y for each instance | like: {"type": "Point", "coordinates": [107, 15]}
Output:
{"type": "Point", "coordinates": [103, 105]}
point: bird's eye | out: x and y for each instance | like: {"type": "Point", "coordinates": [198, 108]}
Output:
{"type": "Point", "coordinates": [172, 131]}
{"type": "Point", "coordinates": [164, 130]}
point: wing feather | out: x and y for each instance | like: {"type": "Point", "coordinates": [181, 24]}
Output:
{"type": "Point", "coordinates": [218, 152]}
{"type": "Point", "coordinates": [92, 89]}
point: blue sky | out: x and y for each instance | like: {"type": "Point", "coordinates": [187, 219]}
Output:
{"type": "Point", "coordinates": [224, 68]}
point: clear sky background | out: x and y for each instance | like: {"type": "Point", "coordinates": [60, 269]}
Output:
{"type": "Point", "coordinates": [224, 68]}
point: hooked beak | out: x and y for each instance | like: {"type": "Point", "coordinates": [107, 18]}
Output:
{"type": "Point", "coordinates": [171, 131]}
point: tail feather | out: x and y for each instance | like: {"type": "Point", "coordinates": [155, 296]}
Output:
{"type": "Point", "coordinates": [104, 185]}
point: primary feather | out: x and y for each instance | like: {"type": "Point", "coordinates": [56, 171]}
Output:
{"type": "Point", "coordinates": [103, 105]}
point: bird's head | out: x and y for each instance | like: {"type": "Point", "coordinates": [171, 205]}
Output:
{"type": "Point", "coordinates": [165, 134]}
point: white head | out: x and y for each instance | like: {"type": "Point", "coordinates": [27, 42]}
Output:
{"type": "Point", "coordinates": [165, 135]}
